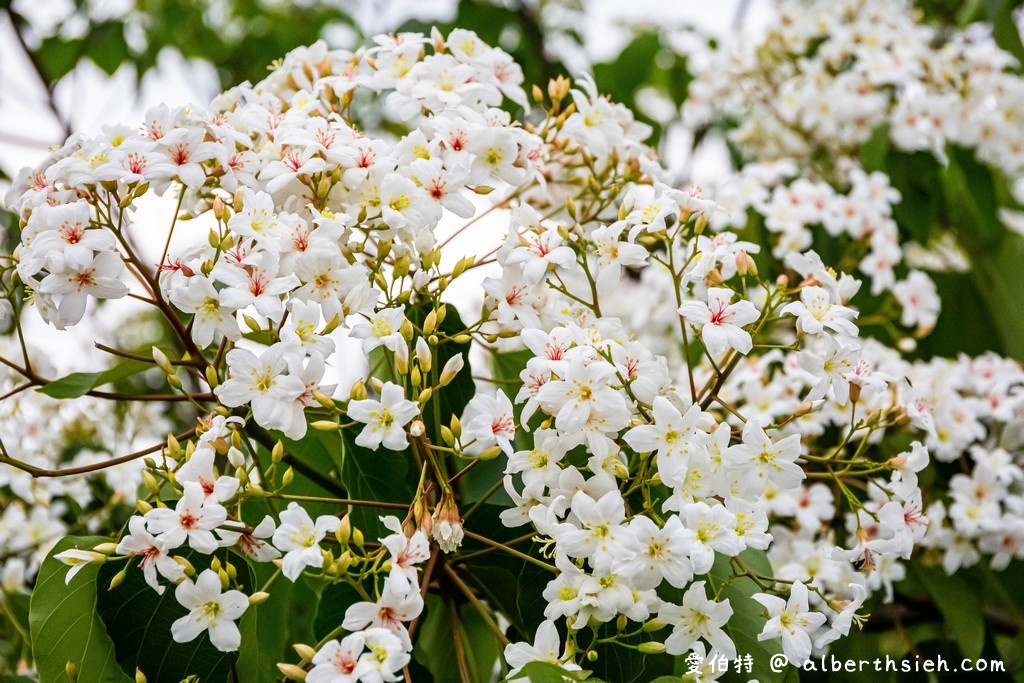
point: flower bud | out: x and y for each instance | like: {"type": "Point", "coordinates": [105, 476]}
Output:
{"type": "Point", "coordinates": [258, 598]}
{"type": "Point", "coordinates": [162, 361]}
{"type": "Point", "coordinates": [139, 676]}
{"type": "Point", "coordinates": [305, 651]}
{"type": "Point", "coordinates": [292, 672]}
{"type": "Point", "coordinates": [344, 530]}
{"type": "Point", "coordinates": [452, 368]}
{"type": "Point", "coordinates": [424, 357]}
{"type": "Point", "coordinates": [447, 437]}
{"type": "Point", "coordinates": [653, 625]}
{"type": "Point", "coordinates": [651, 647]}
{"type": "Point", "coordinates": [358, 391]}
{"type": "Point", "coordinates": [490, 453]}
{"type": "Point", "coordinates": [447, 524]}
{"type": "Point", "coordinates": [118, 578]}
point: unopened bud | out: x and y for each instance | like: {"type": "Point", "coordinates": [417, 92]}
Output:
{"type": "Point", "coordinates": [325, 426]}
{"type": "Point", "coordinates": [651, 647]}
{"type": "Point", "coordinates": [358, 391]}
{"type": "Point", "coordinates": [423, 355]}
{"type": "Point", "coordinates": [451, 369]}
{"type": "Point", "coordinates": [150, 481]}
{"type": "Point", "coordinates": [292, 672]}
{"type": "Point", "coordinates": [654, 625]}
{"type": "Point", "coordinates": [258, 598]}
{"type": "Point", "coordinates": [304, 651]}
{"type": "Point", "coordinates": [162, 361]}
{"type": "Point", "coordinates": [344, 530]}
{"type": "Point", "coordinates": [323, 399]}
{"type": "Point", "coordinates": [118, 578]}
{"type": "Point", "coordinates": [447, 437]}
{"type": "Point", "coordinates": [490, 453]}
{"type": "Point", "coordinates": [71, 670]}
{"type": "Point", "coordinates": [289, 475]}
{"type": "Point", "coordinates": [211, 376]}
{"type": "Point", "coordinates": [277, 453]}
{"type": "Point", "coordinates": [406, 329]}
{"type": "Point", "coordinates": [139, 676]}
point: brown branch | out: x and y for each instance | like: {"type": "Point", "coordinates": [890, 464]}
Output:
{"type": "Point", "coordinates": [84, 469]}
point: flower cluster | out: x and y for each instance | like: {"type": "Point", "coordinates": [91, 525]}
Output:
{"type": "Point", "coordinates": [45, 436]}
{"type": "Point", "coordinates": [676, 421]}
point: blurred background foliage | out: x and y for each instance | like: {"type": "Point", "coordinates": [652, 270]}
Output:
{"type": "Point", "coordinates": [974, 613]}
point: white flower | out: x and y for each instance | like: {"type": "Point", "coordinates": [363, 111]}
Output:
{"type": "Point", "coordinates": [252, 544]}
{"type": "Point", "coordinates": [758, 460]}
{"type": "Point", "coordinates": [792, 620]}
{"type": "Point", "coordinates": [153, 553]}
{"type": "Point", "coordinates": [78, 559]}
{"type": "Point", "coordinates": [721, 323]}
{"type": "Point", "coordinates": [209, 609]}
{"type": "Point", "coordinates": [815, 312]}
{"type": "Point", "coordinates": [193, 519]}
{"type": "Point", "coordinates": [383, 329]}
{"type": "Point", "coordinates": [299, 537]}
{"type": "Point", "coordinates": [393, 608]}
{"type": "Point", "coordinates": [489, 420]}
{"type": "Point", "coordinates": [209, 313]}
{"type": "Point", "coordinates": [261, 383]}
{"type": "Point", "coordinates": [582, 395]}
{"type": "Point", "coordinates": [385, 419]}
{"type": "Point", "coordinates": [698, 617]}
{"type": "Point", "coordinates": [338, 662]}
{"type": "Point", "coordinates": [547, 647]}
{"type": "Point", "coordinates": [406, 552]}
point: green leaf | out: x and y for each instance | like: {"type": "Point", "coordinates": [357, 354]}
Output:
{"type": "Point", "coordinates": [80, 383]}
{"type": "Point", "coordinates": [918, 177]}
{"type": "Point", "coordinates": [974, 203]}
{"type": "Point", "coordinates": [961, 607]}
{"type": "Point", "coordinates": [381, 475]}
{"type": "Point", "coordinates": [330, 612]}
{"type": "Point", "coordinates": [482, 648]}
{"type": "Point", "coordinates": [433, 648]}
{"type": "Point", "coordinates": [138, 620]}
{"type": "Point", "coordinates": [106, 46]}
{"type": "Point", "coordinates": [65, 625]}
{"type": "Point", "coordinates": [269, 628]}
{"type": "Point", "coordinates": [748, 619]}
{"type": "Point", "coordinates": [57, 56]}
{"type": "Point", "coordinates": [546, 672]}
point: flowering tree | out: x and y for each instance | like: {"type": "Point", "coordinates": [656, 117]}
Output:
{"type": "Point", "coordinates": [653, 445]}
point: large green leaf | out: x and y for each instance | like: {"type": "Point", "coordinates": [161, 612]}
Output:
{"type": "Point", "coordinates": [748, 619]}
{"type": "Point", "coordinates": [961, 607]}
{"type": "Point", "coordinates": [330, 612]}
{"type": "Point", "coordinates": [79, 383]}
{"type": "Point", "coordinates": [65, 625]}
{"type": "Point", "coordinates": [139, 620]}
{"type": "Point", "coordinates": [381, 475]}
{"type": "Point", "coordinates": [269, 629]}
